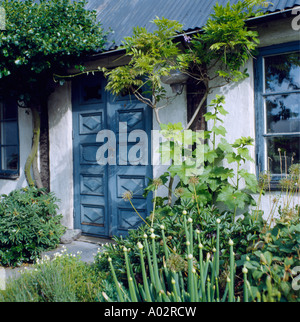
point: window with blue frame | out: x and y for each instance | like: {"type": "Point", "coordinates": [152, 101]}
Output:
{"type": "Point", "coordinates": [9, 139]}
{"type": "Point", "coordinates": [277, 96]}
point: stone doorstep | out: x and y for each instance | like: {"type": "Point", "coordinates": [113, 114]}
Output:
{"type": "Point", "coordinates": [70, 235]}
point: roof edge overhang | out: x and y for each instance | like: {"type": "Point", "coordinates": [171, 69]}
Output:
{"type": "Point", "coordinates": [286, 13]}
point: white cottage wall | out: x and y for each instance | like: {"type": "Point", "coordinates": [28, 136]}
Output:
{"type": "Point", "coordinates": [172, 113]}
{"type": "Point", "coordinates": [60, 154]}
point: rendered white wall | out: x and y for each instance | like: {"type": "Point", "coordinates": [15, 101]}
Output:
{"type": "Point", "coordinates": [173, 113]}
{"type": "Point", "coordinates": [61, 155]}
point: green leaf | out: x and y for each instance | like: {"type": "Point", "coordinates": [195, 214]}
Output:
{"type": "Point", "coordinates": [225, 146]}
{"type": "Point", "coordinates": [219, 130]}
{"type": "Point", "coordinates": [250, 180]}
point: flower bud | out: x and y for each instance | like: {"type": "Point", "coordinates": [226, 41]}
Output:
{"type": "Point", "coordinates": [218, 221]}
{"type": "Point", "coordinates": [190, 220]}
{"type": "Point", "coordinates": [230, 242]}
{"type": "Point", "coordinates": [244, 270]}
{"type": "Point", "coordinates": [184, 212]}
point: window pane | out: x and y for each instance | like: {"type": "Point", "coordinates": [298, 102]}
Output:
{"type": "Point", "coordinates": [282, 153]}
{"type": "Point", "coordinates": [9, 133]}
{"type": "Point", "coordinates": [9, 158]}
{"type": "Point", "coordinates": [283, 113]}
{"type": "Point", "coordinates": [282, 72]}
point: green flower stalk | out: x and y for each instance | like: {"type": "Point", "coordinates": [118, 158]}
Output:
{"type": "Point", "coordinates": [149, 258]}
{"type": "Point", "coordinates": [115, 280]}
{"type": "Point", "coordinates": [130, 280]}
{"type": "Point", "coordinates": [202, 281]}
{"type": "Point", "coordinates": [145, 279]}
{"type": "Point", "coordinates": [232, 270]}
{"type": "Point", "coordinates": [191, 285]}
{"type": "Point", "coordinates": [190, 221]}
{"type": "Point", "coordinates": [245, 272]}
{"type": "Point", "coordinates": [155, 269]}
{"type": "Point", "coordinates": [162, 227]}
{"type": "Point", "coordinates": [218, 248]}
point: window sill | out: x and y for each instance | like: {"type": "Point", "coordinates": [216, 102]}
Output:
{"type": "Point", "coordinates": [9, 176]}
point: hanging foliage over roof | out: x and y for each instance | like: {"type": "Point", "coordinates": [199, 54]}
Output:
{"type": "Point", "coordinates": [123, 16]}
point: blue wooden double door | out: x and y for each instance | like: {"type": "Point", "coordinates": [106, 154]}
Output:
{"type": "Point", "coordinates": [103, 171]}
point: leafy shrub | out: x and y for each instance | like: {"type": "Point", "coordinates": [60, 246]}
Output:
{"type": "Point", "coordinates": [64, 279]}
{"type": "Point", "coordinates": [275, 256]}
{"type": "Point", "coordinates": [29, 225]}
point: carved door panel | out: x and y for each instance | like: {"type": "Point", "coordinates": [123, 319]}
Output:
{"type": "Point", "coordinates": [100, 209]}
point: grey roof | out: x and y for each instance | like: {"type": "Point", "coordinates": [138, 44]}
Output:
{"type": "Point", "coordinates": [122, 15]}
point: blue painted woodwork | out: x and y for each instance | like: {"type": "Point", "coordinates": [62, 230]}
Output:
{"type": "Point", "coordinates": [100, 209]}
{"type": "Point", "coordinates": [260, 109]}
{"type": "Point", "coordinates": [9, 139]}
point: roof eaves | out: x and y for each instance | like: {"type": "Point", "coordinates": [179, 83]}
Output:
{"type": "Point", "coordinates": [284, 13]}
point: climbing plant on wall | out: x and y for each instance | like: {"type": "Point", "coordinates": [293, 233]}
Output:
{"type": "Point", "coordinates": [41, 38]}
{"type": "Point", "coordinates": [213, 57]}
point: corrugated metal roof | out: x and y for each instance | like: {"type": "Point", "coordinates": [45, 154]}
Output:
{"type": "Point", "coordinates": [122, 15]}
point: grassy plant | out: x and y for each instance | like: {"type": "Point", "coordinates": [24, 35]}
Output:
{"type": "Point", "coordinates": [200, 283]}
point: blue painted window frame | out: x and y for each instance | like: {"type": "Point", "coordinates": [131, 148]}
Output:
{"type": "Point", "coordinates": [259, 104]}
{"type": "Point", "coordinates": [11, 174]}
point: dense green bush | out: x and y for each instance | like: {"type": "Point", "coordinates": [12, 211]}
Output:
{"type": "Point", "coordinates": [29, 224]}
{"type": "Point", "coordinates": [276, 255]}
{"type": "Point", "coordinates": [64, 279]}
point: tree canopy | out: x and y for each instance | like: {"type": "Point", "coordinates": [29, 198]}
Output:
{"type": "Point", "coordinates": [46, 36]}
{"type": "Point", "coordinates": [41, 38]}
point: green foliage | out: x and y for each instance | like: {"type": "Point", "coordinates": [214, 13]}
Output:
{"type": "Point", "coordinates": [151, 56]}
{"type": "Point", "coordinates": [225, 42]}
{"type": "Point", "coordinates": [243, 232]}
{"type": "Point", "coordinates": [46, 35]}
{"type": "Point", "coordinates": [42, 38]}
{"type": "Point", "coordinates": [274, 257]}
{"type": "Point", "coordinates": [29, 224]}
{"type": "Point", "coordinates": [208, 181]}
{"type": "Point", "coordinates": [225, 39]}
{"type": "Point", "coordinates": [180, 279]}
{"type": "Point", "coordinates": [64, 279]}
